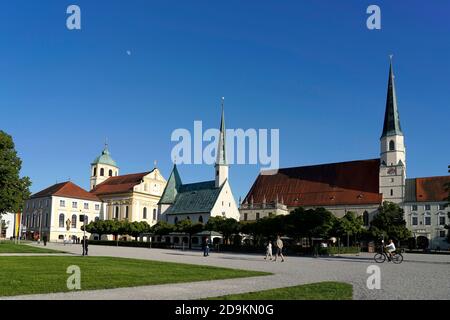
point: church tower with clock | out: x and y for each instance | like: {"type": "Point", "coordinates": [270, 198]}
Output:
{"type": "Point", "coordinates": [393, 153]}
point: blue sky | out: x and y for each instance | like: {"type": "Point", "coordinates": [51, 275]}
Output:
{"type": "Point", "coordinates": [309, 68]}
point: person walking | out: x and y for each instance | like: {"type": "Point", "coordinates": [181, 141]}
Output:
{"type": "Point", "coordinates": [206, 247]}
{"type": "Point", "coordinates": [279, 245]}
{"type": "Point", "coordinates": [84, 245]}
{"type": "Point", "coordinates": [269, 250]}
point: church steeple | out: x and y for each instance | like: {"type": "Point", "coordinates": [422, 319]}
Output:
{"type": "Point", "coordinates": [221, 166]}
{"type": "Point", "coordinates": [221, 149]}
{"type": "Point", "coordinates": [392, 148]}
{"type": "Point", "coordinates": [391, 125]}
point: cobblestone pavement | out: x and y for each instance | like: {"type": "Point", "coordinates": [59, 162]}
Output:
{"type": "Point", "coordinates": [418, 277]}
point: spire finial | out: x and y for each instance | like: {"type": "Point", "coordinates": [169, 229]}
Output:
{"type": "Point", "coordinates": [391, 56]}
{"type": "Point", "coordinates": [155, 163]}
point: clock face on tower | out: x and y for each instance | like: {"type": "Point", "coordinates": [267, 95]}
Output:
{"type": "Point", "coordinates": [392, 171]}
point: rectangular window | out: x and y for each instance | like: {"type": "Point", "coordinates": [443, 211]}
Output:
{"type": "Point", "coordinates": [47, 203]}
{"type": "Point", "coordinates": [257, 215]}
{"type": "Point", "coordinates": [428, 221]}
{"type": "Point", "coordinates": [62, 203]}
{"type": "Point", "coordinates": [97, 207]}
{"type": "Point", "coordinates": [86, 206]}
{"type": "Point", "coordinates": [427, 207]}
{"type": "Point", "coordinates": [245, 216]}
{"type": "Point", "coordinates": [441, 206]}
{"type": "Point", "coordinates": [442, 221]}
{"type": "Point", "coordinates": [126, 212]}
{"type": "Point", "coordinates": [40, 203]}
{"type": "Point", "coordinates": [74, 204]}
{"type": "Point", "coordinates": [414, 208]}
{"type": "Point", "coordinates": [414, 221]}
{"type": "Point", "coordinates": [442, 233]}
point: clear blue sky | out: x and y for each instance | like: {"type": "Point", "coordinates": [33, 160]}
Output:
{"type": "Point", "coordinates": [309, 68]}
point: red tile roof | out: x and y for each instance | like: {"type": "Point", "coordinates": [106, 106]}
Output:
{"type": "Point", "coordinates": [431, 189]}
{"type": "Point", "coordinates": [66, 189]}
{"type": "Point", "coordinates": [119, 184]}
{"type": "Point", "coordinates": [345, 183]}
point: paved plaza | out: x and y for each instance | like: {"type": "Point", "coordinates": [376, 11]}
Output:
{"type": "Point", "coordinates": [418, 277]}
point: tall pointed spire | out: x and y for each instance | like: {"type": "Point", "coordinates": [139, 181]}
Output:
{"type": "Point", "coordinates": [391, 125]}
{"type": "Point", "coordinates": [221, 148]}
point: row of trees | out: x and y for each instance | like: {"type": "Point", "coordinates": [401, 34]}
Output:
{"type": "Point", "coordinates": [320, 223]}
{"type": "Point", "coordinates": [301, 223]}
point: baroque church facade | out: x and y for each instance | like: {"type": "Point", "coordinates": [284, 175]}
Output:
{"type": "Point", "coordinates": [359, 186]}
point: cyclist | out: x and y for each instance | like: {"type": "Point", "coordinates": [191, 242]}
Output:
{"type": "Point", "coordinates": [390, 248]}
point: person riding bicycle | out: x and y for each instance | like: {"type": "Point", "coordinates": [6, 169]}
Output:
{"type": "Point", "coordinates": [390, 248]}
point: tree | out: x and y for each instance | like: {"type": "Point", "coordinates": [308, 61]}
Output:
{"type": "Point", "coordinates": [389, 223]}
{"type": "Point", "coordinates": [348, 225]}
{"type": "Point", "coordinates": [13, 189]}
{"type": "Point", "coordinates": [135, 229]}
{"type": "Point", "coordinates": [312, 222]}
{"type": "Point", "coordinates": [161, 228]}
{"type": "Point", "coordinates": [186, 226]}
{"type": "Point", "coordinates": [226, 226]}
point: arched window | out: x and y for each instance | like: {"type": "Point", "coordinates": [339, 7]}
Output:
{"type": "Point", "coordinates": [366, 218]}
{"type": "Point", "coordinates": [176, 220]}
{"type": "Point", "coordinates": [95, 172]}
{"type": "Point", "coordinates": [126, 212]}
{"type": "Point", "coordinates": [392, 192]}
{"type": "Point", "coordinates": [74, 221]}
{"type": "Point", "coordinates": [144, 213]}
{"type": "Point", "coordinates": [116, 213]}
{"type": "Point", "coordinates": [188, 218]}
{"type": "Point", "coordinates": [97, 218]}
{"type": "Point", "coordinates": [391, 145]}
{"type": "Point", "coordinates": [110, 173]}
{"type": "Point", "coordinates": [200, 219]}
{"type": "Point", "coordinates": [61, 220]}
{"type": "Point", "coordinates": [102, 172]}
{"type": "Point", "coordinates": [154, 214]}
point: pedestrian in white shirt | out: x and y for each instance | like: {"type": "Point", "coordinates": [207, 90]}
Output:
{"type": "Point", "coordinates": [268, 251]}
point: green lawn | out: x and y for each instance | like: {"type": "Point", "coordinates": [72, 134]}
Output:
{"type": "Point", "coordinates": [30, 275]}
{"type": "Point", "coordinates": [9, 247]}
{"type": "Point", "coordinates": [314, 291]}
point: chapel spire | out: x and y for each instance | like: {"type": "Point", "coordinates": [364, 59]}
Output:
{"type": "Point", "coordinates": [391, 125]}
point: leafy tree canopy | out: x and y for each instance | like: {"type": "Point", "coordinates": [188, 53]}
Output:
{"type": "Point", "coordinates": [14, 190]}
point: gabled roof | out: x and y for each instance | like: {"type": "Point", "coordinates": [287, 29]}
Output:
{"type": "Point", "coordinates": [66, 189]}
{"type": "Point", "coordinates": [195, 198]}
{"type": "Point", "coordinates": [391, 117]}
{"type": "Point", "coordinates": [172, 187]}
{"type": "Point", "coordinates": [345, 183]}
{"type": "Point", "coordinates": [119, 184]}
{"type": "Point", "coordinates": [428, 189]}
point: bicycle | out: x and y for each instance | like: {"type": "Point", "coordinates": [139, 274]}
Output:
{"type": "Point", "coordinates": [381, 257]}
